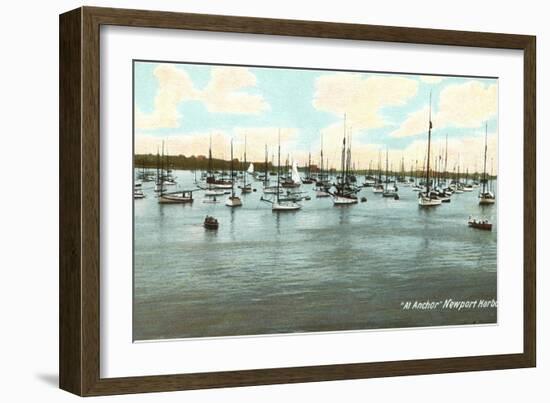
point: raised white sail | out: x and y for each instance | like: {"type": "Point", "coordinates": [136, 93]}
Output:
{"type": "Point", "coordinates": [250, 169]}
{"type": "Point", "coordinates": [295, 175]}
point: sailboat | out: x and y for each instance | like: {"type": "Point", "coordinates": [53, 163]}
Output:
{"type": "Point", "coordinates": [233, 200]}
{"type": "Point", "coordinates": [322, 176]}
{"type": "Point", "coordinates": [177, 197]}
{"type": "Point", "coordinates": [389, 192]}
{"type": "Point", "coordinates": [467, 186]}
{"type": "Point", "coordinates": [427, 199]}
{"type": "Point", "coordinates": [211, 180]}
{"type": "Point", "coordinates": [416, 187]}
{"type": "Point", "coordinates": [293, 180]}
{"type": "Point", "coordinates": [211, 189]}
{"type": "Point", "coordinates": [322, 184]}
{"type": "Point", "coordinates": [369, 179]}
{"type": "Point", "coordinates": [485, 196]}
{"type": "Point", "coordinates": [246, 187]}
{"type": "Point", "coordinates": [344, 195]}
{"type": "Point", "coordinates": [378, 187]}
{"type": "Point", "coordinates": [169, 179]}
{"type": "Point", "coordinates": [308, 179]}
{"type": "Point", "coordinates": [277, 204]}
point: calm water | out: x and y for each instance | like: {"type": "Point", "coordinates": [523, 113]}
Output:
{"type": "Point", "coordinates": [322, 268]}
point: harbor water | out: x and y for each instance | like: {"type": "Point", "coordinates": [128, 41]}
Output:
{"type": "Point", "coordinates": [322, 268]}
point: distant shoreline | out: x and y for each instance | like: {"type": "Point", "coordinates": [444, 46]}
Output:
{"type": "Point", "coordinates": [201, 163]}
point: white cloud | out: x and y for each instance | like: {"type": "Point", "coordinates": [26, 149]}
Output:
{"type": "Point", "coordinates": [175, 86]}
{"type": "Point", "coordinates": [362, 98]}
{"type": "Point", "coordinates": [223, 94]}
{"type": "Point", "coordinates": [415, 123]}
{"type": "Point", "coordinates": [466, 105]}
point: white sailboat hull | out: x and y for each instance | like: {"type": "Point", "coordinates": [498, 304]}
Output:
{"type": "Point", "coordinates": [285, 206]}
{"type": "Point", "coordinates": [428, 202]}
{"type": "Point", "coordinates": [341, 200]}
{"type": "Point", "coordinates": [233, 202]}
{"type": "Point", "coordinates": [223, 185]}
{"type": "Point", "coordinates": [488, 198]}
{"type": "Point", "coordinates": [173, 199]}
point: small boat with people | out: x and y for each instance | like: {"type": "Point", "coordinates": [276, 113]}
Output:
{"type": "Point", "coordinates": [479, 224]}
{"type": "Point", "coordinates": [210, 222]}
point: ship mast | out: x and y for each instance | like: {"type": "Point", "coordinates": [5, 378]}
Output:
{"type": "Point", "coordinates": [279, 167]}
{"type": "Point", "coordinates": [485, 162]}
{"type": "Point", "coordinates": [429, 141]}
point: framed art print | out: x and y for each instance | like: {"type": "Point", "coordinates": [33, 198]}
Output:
{"type": "Point", "coordinates": [250, 201]}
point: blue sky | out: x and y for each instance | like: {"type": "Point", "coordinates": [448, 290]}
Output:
{"type": "Point", "coordinates": [382, 110]}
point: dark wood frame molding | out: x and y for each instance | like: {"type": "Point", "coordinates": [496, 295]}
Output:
{"type": "Point", "coordinates": [79, 200]}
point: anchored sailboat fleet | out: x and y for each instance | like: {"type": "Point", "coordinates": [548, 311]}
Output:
{"type": "Point", "coordinates": [433, 183]}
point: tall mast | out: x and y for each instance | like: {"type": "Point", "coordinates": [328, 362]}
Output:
{"type": "Point", "coordinates": [265, 168]}
{"type": "Point", "coordinates": [279, 166]}
{"type": "Point", "coordinates": [159, 179]}
{"type": "Point", "coordinates": [379, 167]}
{"type": "Point", "coordinates": [491, 187]}
{"type": "Point", "coordinates": [386, 169]}
{"type": "Point", "coordinates": [232, 177]}
{"type": "Point", "coordinates": [210, 156]}
{"type": "Point", "coordinates": [429, 143]}
{"type": "Point", "coordinates": [485, 162]}
{"type": "Point", "coordinates": [343, 174]}
{"type": "Point", "coordinates": [322, 159]}
{"type": "Point", "coordinates": [245, 168]}
{"type": "Point", "coordinates": [162, 170]}
{"type": "Point", "coordinates": [446, 149]}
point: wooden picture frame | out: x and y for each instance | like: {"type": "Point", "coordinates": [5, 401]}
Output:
{"type": "Point", "coordinates": [79, 346]}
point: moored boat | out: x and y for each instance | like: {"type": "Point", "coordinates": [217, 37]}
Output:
{"type": "Point", "coordinates": [233, 200]}
{"type": "Point", "coordinates": [480, 224]}
{"type": "Point", "coordinates": [428, 198]}
{"type": "Point", "coordinates": [278, 203]}
{"type": "Point", "coordinates": [210, 222]}
{"type": "Point", "coordinates": [181, 196]}
{"type": "Point", "coordinates": [485, 195]}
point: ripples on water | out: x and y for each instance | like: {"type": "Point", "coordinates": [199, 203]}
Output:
{"type": "Point", "coordinates": [322, 268]}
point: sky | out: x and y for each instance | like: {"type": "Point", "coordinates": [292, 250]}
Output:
{"type": "Point", "coordinates": [186, 104]}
